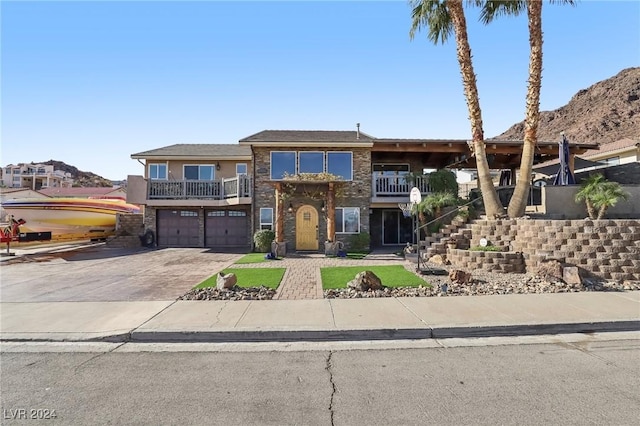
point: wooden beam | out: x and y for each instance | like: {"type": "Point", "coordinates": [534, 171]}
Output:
{"type": "Point", "coordinates": [279, 214]}
{"type": "Point", "coordinates": [331, 213]}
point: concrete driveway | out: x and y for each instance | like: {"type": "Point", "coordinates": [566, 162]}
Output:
{"type": "Point", "coordinates": [102, 274]}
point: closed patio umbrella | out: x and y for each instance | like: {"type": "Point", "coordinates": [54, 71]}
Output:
{"type": "Point", "coordinates": [564, 175]}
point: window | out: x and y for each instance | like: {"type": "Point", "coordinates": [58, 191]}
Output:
{"type": "Point", "coordinates": [282, 162]}
{"type": "Point", "coordinates": [310, 162]}
{"type": "Point", "coordinates": [347, 220]}
{"type": "Point", "coordinates": [158, 171]}
{"type": "Point", "coordinates": [199, 172]}
{"type": "Point", "coordinates": [188, 213]}
{"type": "Point", "coordinates": [613, 161]}
{"type": "Point", "coordinates": [266, 218]}
{"type": "Point", "coordinates": [340, 164]}
{"type": "Point", "coordinates": [237, 213]}
{"type": "Point", "coordinates": [241, 168]}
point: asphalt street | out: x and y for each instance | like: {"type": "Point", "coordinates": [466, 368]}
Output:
{"type": "Point", "coordinates": [546, 381]}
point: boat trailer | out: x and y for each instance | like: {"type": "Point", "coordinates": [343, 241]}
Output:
{"type": "Point", "coordinates": [11, 233]}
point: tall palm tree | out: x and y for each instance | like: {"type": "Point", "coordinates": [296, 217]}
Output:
{"type": "Point", "coordinates": [490, 10]}
{"type": "Point", "coordinates": [442, 17]}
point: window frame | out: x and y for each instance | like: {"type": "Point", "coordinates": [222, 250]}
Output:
{"type": "Point", "coordinates": [166, 171]}
{"type": "Point", "coordinates": [295, 163]}
{"type": "Point", "coordinates": [246, 167]}
{"type": "Point", "coordinates": [324, 164]}
{"type": "Point", "coordinates": [266, 225]}
{"type": "Point", "coordinates": [327, 155]}
{"type": "Point", "coordinates": [343, 222]}
{"type": "Point", "coordinates": [213, 169]}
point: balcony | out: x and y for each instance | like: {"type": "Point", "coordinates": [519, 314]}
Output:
{"type": "Point", "coordinates": [394, 189]}
{"type": "Point", "coordinates": [236, 187]}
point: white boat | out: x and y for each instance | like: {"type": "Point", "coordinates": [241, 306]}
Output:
{"type": "Point", "coordinates": [64, 216]}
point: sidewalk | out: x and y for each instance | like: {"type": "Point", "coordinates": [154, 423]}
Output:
{"type": "Point", "coordinates": [321, 319]}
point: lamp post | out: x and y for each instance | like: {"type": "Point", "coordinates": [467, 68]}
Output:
{"type": "Point", "coordinates": [415, 197]}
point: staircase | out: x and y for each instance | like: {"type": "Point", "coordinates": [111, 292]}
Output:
{"type": "Point", "coordinates": [457, 231]}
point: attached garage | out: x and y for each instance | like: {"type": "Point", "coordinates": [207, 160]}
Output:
{"type": "Point", "coordinates": [226, 228]}
{"type": "Point", "coordinates": [177, 228]}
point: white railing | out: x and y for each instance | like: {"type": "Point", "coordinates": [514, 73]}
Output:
{"type": "Point", "coordinates": [398, 186]}
{"type": "Point", "coordinates": [239, 186]}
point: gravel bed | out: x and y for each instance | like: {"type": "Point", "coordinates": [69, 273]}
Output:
{"type": "Point", "coordinates": [235, 293]}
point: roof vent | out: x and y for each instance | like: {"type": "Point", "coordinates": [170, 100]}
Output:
{"type": "Point", "coordinates": [357, 130]}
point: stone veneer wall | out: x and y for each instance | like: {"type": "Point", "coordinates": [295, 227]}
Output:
{"type": "Point", "coordinates": [606, 248]}
{"type": "Point", "coordinates": [356, 193]}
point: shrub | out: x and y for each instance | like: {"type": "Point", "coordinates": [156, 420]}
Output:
{"type": "Point", "coordinates": [443, 181]}
{"type": "Point", "coordinates": [263, 239]}
{"type": "Point", "coordinates": [359, 242]}
{"type": "Point", "coordinates": [487, 248]}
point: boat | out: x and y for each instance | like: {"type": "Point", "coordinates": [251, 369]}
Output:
{"type": "Point", "coordinates": [80, 217]}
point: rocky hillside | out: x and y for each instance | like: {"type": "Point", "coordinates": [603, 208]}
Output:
{"type": "Point", "coordinates": [605, 112]}
{"type": "Point", "coordinates": [80, 178]}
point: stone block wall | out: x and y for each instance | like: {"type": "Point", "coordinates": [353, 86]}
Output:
{"type": "Point", "coordinates": [495, 261]}
{"type": "Point", "coordinates": [609, 249]}
{"type": "Point", "coordinates": [128, 229]}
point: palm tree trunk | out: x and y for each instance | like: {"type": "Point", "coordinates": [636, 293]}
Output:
{"type": "Point", "coordinates": [601, 212]}
{"type": "Point", "coordinates": [518, 203]}
{"type": "Point", "coordinates": [492, 204]}
{"type": "Point", "coordinates": [590, 210]}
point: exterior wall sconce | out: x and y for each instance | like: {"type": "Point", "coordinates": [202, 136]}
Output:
{"type": "Point", "coordinates": [290, 209]}
{"type": "Point", "coordinates": [218, 166]}
{"type": "Point", "coordinates": [322, 209]}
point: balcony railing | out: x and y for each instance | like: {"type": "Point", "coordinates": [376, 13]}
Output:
{"type": "Point", "coordinates": [239, 186]}
{"type": "Point", "coordinates": [398, 186]}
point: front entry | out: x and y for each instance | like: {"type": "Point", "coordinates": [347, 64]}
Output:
{"type": "Point", "coordinates": [307, 228]}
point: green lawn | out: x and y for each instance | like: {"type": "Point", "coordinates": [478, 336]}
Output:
{"type": "Point", "coordinates": [253, 277]}
{"type": "Point", "coordinates": [253, 258]}
{"type": "Point", "coordinates": [391, 276]}
{"type": "Point", "coordinates": [354, 255]}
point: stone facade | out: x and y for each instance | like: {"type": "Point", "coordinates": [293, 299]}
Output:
{"type": "Point", "coordinates": [609, 249]}
{"type": "Point", "coordinates": [354, 193]}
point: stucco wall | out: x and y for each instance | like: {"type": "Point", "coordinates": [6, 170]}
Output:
{"type": "Point", "coordinates": [559, 203]}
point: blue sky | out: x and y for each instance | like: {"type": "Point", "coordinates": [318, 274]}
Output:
{"type": "Point", "coordinates": [89, 83]}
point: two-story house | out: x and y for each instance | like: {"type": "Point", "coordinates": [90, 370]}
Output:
{"type": "Point", "coordinates": [308, 186]}
{"type": "Point", "coordinates": [35, 177]}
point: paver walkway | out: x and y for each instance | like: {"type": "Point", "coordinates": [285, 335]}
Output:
{"type": "Point", "coordinates": [302, 277]}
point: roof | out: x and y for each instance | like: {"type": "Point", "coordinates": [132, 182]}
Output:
{"type": "Point", "coordinates": [621, 144]}
{"type": "Point", "coordinates": [204, 150]}
{"type": "Point", "coordinates": [267, 136]}
{"type": "Point", "coordinates": [551, 167]}
{"type": "Point", "coordinates": [79, 191]}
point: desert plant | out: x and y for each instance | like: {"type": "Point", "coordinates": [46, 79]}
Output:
{"type": "Point", "coordinates": [599, 195]}
{"type": "Point", "coordinates": [263, 239]}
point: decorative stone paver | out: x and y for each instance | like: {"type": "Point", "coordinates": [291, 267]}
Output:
{"type": "Point", "coordinates": [302, 277]}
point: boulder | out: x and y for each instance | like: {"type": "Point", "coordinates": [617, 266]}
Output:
{"type": "Point", "coordinates": [439, 259]}
{"type": "Point", "coordinates": [226, 282]}
{"type": "Point", "coordinates": [364, 281]}
{"type": "Point", "coordinates": [571, 275]}
{"type": "Point", "coordinates": [458, 276]}
{"type": "Point", "coordinates": [550, 270]}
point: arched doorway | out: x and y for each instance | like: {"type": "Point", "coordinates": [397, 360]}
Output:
{"type": "Point", "coordinates": [307, 228]}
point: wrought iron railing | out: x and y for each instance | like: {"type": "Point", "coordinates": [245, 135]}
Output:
{"type": "Point", "coordinates": [239, 186]}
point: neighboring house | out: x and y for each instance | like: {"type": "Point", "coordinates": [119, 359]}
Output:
{"type": "Point", "coordinates": [307, 186]}
{"type": "Point", "coordinates": [622, 151]}
{"type": "Point", "coordinates": [87, 192]}
{"type": "Point", "coordinates": [34, 176]}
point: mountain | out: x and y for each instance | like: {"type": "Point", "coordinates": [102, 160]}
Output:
{"type": "Point", "coordinates": [80, 178]}
{"type": "Point", "coordinates": [603, 113]}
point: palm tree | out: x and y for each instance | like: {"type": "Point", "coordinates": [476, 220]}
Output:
{"type": "Point", "coordinates": [442, 17]}
{"type": "Point", "coordinates": [600, 194]}
{"type": "Point", "coordinates": [490, 10]}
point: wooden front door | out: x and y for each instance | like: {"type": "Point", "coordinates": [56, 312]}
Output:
{"type": "Point", "coordinates": [307, 228]}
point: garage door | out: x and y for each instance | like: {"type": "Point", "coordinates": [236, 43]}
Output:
{"type": "Point", "coordinates": [177, 228]}
{"type": "Point", "coordinates": [226, 228]}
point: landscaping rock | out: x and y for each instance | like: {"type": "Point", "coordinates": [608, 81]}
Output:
{"type": "Point", "coordinates": [365, 281]}
{"type": "Point", "coordinates": [571, 275]}
{"type": "Point", "coordinates": [235, 293]}
{"type": "Point", "coordinates": [439, 259]}
{"type": "Point", "coordinates": [458, 276]}
{"type": "Point", "coordinates": [226, 281]}
{"type": "Point", "coordinates": [550, 270]}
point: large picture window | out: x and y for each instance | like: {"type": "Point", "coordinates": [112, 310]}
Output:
{"type": "Point", "coordinates": [347, 220]}
{"type": "Point", "coordinates": [310, 162]}
{"type": "Point", "coordinates": [199, 172]}
{"type": "Point", "coordinates": [158, 171]}
{"type": "Point", "coordinates": [282, 163]}
{"type": "Point", "coordinates": [340, 164]}
{"type": "Point", "coordinates": [266, 218]}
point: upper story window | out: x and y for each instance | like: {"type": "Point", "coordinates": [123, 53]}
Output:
{"type": "Point", "coordinates": [158, 171]}
{"type": "Point", "coordinates": [310, 162]}
{"type": "Point", "coordinates": [340, 164]}
{"type": "Point", "coordinates": [241, 169]}
{"type": "Point", "coordinates": [337, 163]}
{"type": "Point", "coordinates": [282, 163]}
{"type": "Point", "coordinates": [199, 172]}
